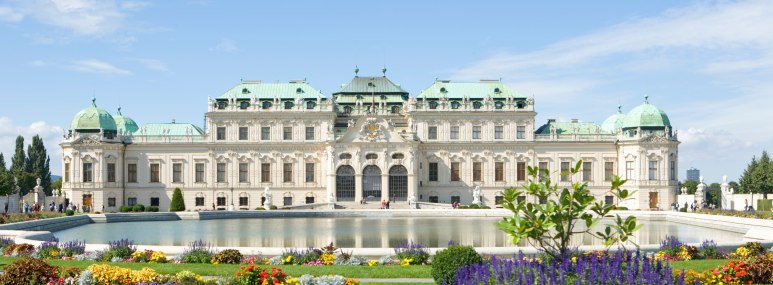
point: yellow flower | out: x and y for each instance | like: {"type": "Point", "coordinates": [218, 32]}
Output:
{"type": "Point", "coordinates": [288, 259]}
{"type": "Point", "coordinates": [407, 261]}
{"type": "Point", "coordinates": [574, 259]}
{"type": "Point", "coordinates": [372, 262]}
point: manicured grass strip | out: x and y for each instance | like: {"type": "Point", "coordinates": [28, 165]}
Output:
{"type": "Point", "coordinates": [697, 265]}
{"type": "Point", "coordinates": [228, 270]}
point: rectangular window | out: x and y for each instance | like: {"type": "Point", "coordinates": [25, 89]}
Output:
{"type": "Point", "coordinates": [244, 172]}
{"type": "Point", "coordinates": [672, 173]}
{"type": "Point", "coordinates": [111, 202]}
{"type": "Point", "coordinates": [521, 171]}
{"type": "Point", "coordinates": [499, 132]}
{"type": "Point", "coordinates": [477, 171]}
{"type": "Point", "coordinates": [131, 173]}
{"type": "Point", "coordinates": [565, 171]}
{"type": "Point", "coordinates": [587, 174]}
{"type": "Point", "coordinates": [244, 133]}
{"type": "Point", "coordinates": [455, 171]}
{"type": "Point", "coordinates": [199, 201]}
{"type": "Point", "coordinates": [433, 171]}
{"type": "Point", "coordinates": [433, 199]}
{"type": "Point", "coordinates": [310, 200]}
{"type": "Point", "coordinates": [476, 132]}
{"type": "Point", "coordinates": [177, 172]}
{"type": "Point", "coordinates": [199, 172]}
{"type": "Point", "coordinates": [88, 175]}
{"type": "Point", "coordinates": [521, 198]}
{"type": "Point", "coordinates": [244, 201]}
{"type": "Point", "coordinates": [287, 201]}
{"type": "Point", "coordinates": [265, 133]}
{"type": "Point", "coordinates": [499, 171]}
{"type": "Point", "coordinates": [67, 172]}
{"type": "Point", "coordinates": [310, 172]}
{"type": "Point", "coordinates": [155, 172]}
{"type": "Point", "coordinates": [131, 201]}
{"type": "Point", "coordinates": [287, 133]}
{"type": "Point", "coordinates": [454, 133]}
{"type": "Point", "coordinates": [498, 200]}
{"type": "Point", "coordinates": [111, 172]}
{"type": "Point", "coordinates": [629, 170]}
{"type": "Point", "coordinates": [265, 172]}
{"type": "Point", "coordinates": [309, 133]}
{"type": "Point", "coordinates": [653, 170]}
{"type": "Point", "coordinates": [544, 170]}
{"type": "Point", "coordinates": [609, 199]}
{"type": "Point", "coordinates": [609, 170]}
{"type": "Point", "coordinates": [154, 201]}
{"type": "Point", "coordinates": [220, 133]}
{"type": "Point", "coordinates": [432, 133]}
{"type": "Point", "coordinates": [221, 201]}
{"type": "Point", "coordinates": [456, 199]}
{"type": "Point", "coordinates": [543, 200]}
{"type": "Point", "coordinates": [520, 132]}
{"type": "Point", "coordinates": [220, 172]}
{"type": "Point", "coordinates": [288, 172]}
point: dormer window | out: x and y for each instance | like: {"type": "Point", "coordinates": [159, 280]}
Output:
{"type": "Point", "coordinates": [289, 105]}
{"type": "Point", "coordinates": [496, 90]}
{"type": "Point", "coordinates": [455, 105]}
{"type": "Point", "coordinates": [244, 105]}
{"type": "Point", "coordinates": [245, 91]}
{"type": "Point", "coordinates": [299, 90]}
{"type": "Point", "coordinates": [395, 109]}
{"type": "Point", "coordinates": [499, 105]}
{"type": "Point", "coordinates": [476, 105]}
{"type": "Point", "coordinates": [266, 105]}
{"type": "Point", "coordinates": [345, 156]}
{"type": "Point", "coordinates": [433, 104]}
{"type": "Point", "coordinates": [443, 90]}
{"type": "Point", "coordinates": [347, 109]}
{"type": "Point", "coordinates": [520, 105]}
{"type": "Point", "coordinates": [222, 104]}
{"type": "Point", "coordinates": [311, 105]}
{"type": "Point", "coordinates": [371, 156]}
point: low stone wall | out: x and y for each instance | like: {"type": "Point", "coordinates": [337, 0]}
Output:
{"type": "Point", "coordinates": [51, 225]}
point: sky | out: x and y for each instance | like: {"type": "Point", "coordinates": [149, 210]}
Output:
{"type": "Point", "coordinates": [707, 64]}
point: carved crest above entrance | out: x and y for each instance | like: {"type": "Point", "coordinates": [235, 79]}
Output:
{"type": "Point", "coordinates": [371, 130]}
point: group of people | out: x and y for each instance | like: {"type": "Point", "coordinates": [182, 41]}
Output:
{"type": "Point", "coordinates": [384, 204]}
{"type": "Point", "coordinates": [53, 207]}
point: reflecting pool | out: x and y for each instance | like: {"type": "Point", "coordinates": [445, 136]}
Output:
{"type": "Point", "coordinates": [349, 232]}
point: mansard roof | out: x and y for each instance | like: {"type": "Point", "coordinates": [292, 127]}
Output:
{"type": "Point", "coordinates": [169, 129]}
{"type": "Point", "coordinates": [473, 90]}
{"type": "Point", "coordinates": [249, 89]}
{"type": "Point", "coordinates": [371, 85]}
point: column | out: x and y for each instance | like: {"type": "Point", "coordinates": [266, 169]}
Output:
{"type": "Point", "coordinates": [358, 187]}
{"type": "Point", "coordinates": [385, 185]}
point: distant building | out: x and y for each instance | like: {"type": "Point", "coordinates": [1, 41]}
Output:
{"type": "Point", "coordinates": [693, 174]}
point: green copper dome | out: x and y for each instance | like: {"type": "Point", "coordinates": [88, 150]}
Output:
{"type": "Point", "coordinates": [646, 116]}
{"type": "Point", "coordinates": [614, 122]}
{"type": "Point", "coordinates": [125, 124]}
{"type": "Point", "coordinates": [93, 119]}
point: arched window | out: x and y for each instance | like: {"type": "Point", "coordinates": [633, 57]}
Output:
{"type": "Point", "coordinates": [395, 109]}
{"type": "Point", "coordinates": [371, 156]}
{"type": "Point", "coordinates": [347, 109]}
{"type": "Point", "coordinates": [266, 105]}
{"type": "Point", "coordinates": [476, 105]}
{"type": "Point", "coordinates": [433, 104]}
{"type": "Point", "coordinates": [222, 104]}
{"type": "Point", "coordinates": [499, 105]}
{"type": "Point", "coordinates": [311, 105]}
{"type": "Point", "coordinates": [244, 105]}
{"type": "Point", "coordinates": [289, 105]}
{"type": "Point", "coordinates": [345, 156]}
{"type": "Point", "coordinates": [345, 183]}
{"type": "Point", "coordinates": [455, 105]}
{"type": "Point", "coordinates": [520, 105]}
{"type": "Point", "coordinates": [398, 156]}
{"type": "Point", "coordinates": [398, 183]}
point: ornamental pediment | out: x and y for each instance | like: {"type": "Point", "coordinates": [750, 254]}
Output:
{"type": "Point", "coordinates": [371, 129]}
{"type": "Point", "coordinates": [88, 140]}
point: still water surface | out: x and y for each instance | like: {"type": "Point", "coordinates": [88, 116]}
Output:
{"type": "Point", "coordinates": [348, 232]}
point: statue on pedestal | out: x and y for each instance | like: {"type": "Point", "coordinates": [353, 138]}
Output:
{"type": "Point", "coordinates": [726, 194]}
{"type": "Point", "coordinates": [269, 199]}
{"type": "Point", "coordinates": [476, 195]}
{"type": "Point", "coordinates": [700, 194]}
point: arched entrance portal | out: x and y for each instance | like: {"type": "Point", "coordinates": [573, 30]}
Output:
{"type": "Point", "coordinates": [371, 182]}
{"type": "Point", "coordinates": [345, 183]}
{"type": "Point", "coordinates": [398, 183]}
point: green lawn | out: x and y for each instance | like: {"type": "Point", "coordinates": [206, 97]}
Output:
{"type": "Point", "coordinates": [698, 265]}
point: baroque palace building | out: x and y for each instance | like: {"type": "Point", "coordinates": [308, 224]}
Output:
{"type": "Point", "coordinates": [369, 141]}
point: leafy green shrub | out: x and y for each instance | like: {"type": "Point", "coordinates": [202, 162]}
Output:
{"type": "Point", "coordinates": [259, 209]}
{"type": "Point", "coordinates": [273, 207]}
{"type": "Point", "coordinates": [138, 208]}
{"type": "Point", "coordinates": [69, 212]}
{"type": "Point", "coordinates": [462, 207]}
{"type": "Point", "coordinates": [228, 256]}
{"type": "Point", "coordinates": [28, 271]}
{"type": "Point", "coordinates": [21, 249]}
{"type": "Point", "coordinates": [177, 204]}
{"type": "Point", "coordinates": [120, 249]}
{"type": "Point", "coordinates": [755, 248]}
{"type": "Point", "coordinates": [124, 209]}
{"type": "Point", "coordinates": [151, 209]}
{"type": "Point", "coordinates": [474, 206]}
{"type": "Point", "coordinates": [761, 269]}
{"type": "Point", "coordinates": [417, 253]}
{"type": "Point", "coordinates": [309, 255]}
{"type": "Point", "coordinates": [446, 261]}
{"type": "Point", "coordinates": [683, 210]}
{"type": "Point", "coordinates": [764, 205]}
{"type": "Point", "coordinates": [197, 252]}
{"type": "Point", "coordinates": [485, 207]}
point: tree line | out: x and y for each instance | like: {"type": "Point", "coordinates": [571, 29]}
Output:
{"type": "Point", "coordinates": [26, 168]}
{"type": "Point", "coordinates": [758, 176]}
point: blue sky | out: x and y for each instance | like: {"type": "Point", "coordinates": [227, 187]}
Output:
{"type": "Point", "coordinates": [707, 64]}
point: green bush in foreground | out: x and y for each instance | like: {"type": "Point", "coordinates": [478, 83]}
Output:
{"type": "Point", "coordinates": [28, 271]}
{"type": "Point", "coordinates": [178, 204]}
{"type": "Point", "coordinates": [446, 261]}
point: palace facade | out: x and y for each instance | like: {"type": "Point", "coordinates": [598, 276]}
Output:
{"type": "Point", "coordinates": [370, 141]}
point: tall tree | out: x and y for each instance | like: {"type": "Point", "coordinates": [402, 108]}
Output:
{"type": "Point", "coordinates": [758, 176]}
{"type": "Point", "coordinates": [6, 178]}
{"type": "Point", "coordinates": [38, 163]}
{"type": "Point", "coordinates": [691, 186]}
{"type": "Point", "coordinates": [746, 180]}
{"type": "Point", "coordinates": [19, 168]}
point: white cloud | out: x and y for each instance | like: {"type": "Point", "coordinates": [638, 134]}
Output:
{"type": "Point", "coordinates": [50, 134]}
{"type": "Point", "coordinates": [8, 14]}
{"type": "Point", "coordinates": [38, 63]}
{"type": "Point", "coordinates": [83, 17]}
{"type": "Point", "coordinates": [134, 5]}
{"type": "Point", "coordinates": [96, 66]}
{"type": "Point", "coordinates": [226, 45]}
